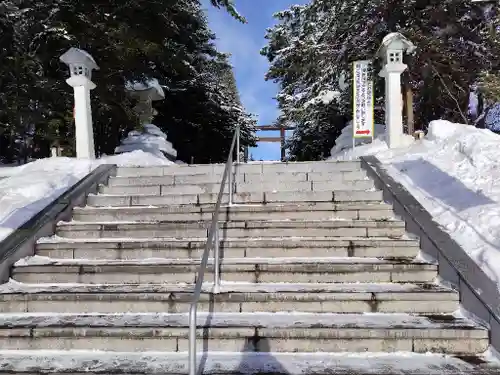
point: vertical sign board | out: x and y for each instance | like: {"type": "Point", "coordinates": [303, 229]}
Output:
{"type": "Point", "coordinates": [362, 123]}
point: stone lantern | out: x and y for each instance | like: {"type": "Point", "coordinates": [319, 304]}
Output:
{"type": "Point", "coordinates": [150, 138]}
{"type": "Point", "coordinates": [80, 65]}
{"type": "Point", "coordinates": [394, 45]}
{"type": "Point", "coordinates": [145, 94]}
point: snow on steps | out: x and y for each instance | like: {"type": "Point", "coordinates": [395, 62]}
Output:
{"type": "Point", "coordinates": [259, 270]}
{"type": "Point", "coordinates": [13, 287]}
{"type": "Point", "coordinates": [245, 187]}
{"type": "Point", "coordinates": [233, 297]}
{"type": "Point", "coordinates": [163, 188]}
{"type": "Point", "coordinates": [42, 261]}
{"type": "Point", "coordinates": [232, 229]}
{"type": "Point", "coordinates": [337, 196]}
{"type": "Point", "coordinates": [256, 168]}
{"type": "Point", "coordinates": [228, 363]}
{"type": "Point", "coordinates": [276, 332]}
{"type": "Point", "coordinates": [289, 211]}
{"type": "Point", "coordinates": [239, 177]}
{"type": "Point", "coordinates": [130, 248]}
{"type": "Point", "coordinates": [248, 328]}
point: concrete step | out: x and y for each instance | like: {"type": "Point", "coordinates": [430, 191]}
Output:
{"type": "Point", "coordinates": [102, 200]}
{"type": "Point", "coordinates": [252, 270]}
{"type": "Point", "coordinates": [255, 168]}
{"type": "Point", "coordinates": [236, 363]}
{"type": "Point", "coordinates": [267, 332]}
{"type": "Point", "coordinates": [239, 177]}
{"type": "Point", "coordinates": [287, 211]}
{"type": "Point", "coordinates": [246, 187]}
{"type": "Point", "coordinates": [176, 298]}
{"type": "Point", "coordinates": [69, 248]}
{"type": "Point", "coordinates": [234, 229]}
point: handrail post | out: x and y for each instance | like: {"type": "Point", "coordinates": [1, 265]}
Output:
{"type": "Point", "coordinates": [192, 338]}
{"type": "Point", "coordinates": [237, 166]}
{"type": "Point", "coordinates": [213, 239]}
{"type": "Point", "coordinates": [230, 180]}
{"type": "Point", "coordinates": [216, 288]}
{"type": "Point", "coordinates": [238, 144]}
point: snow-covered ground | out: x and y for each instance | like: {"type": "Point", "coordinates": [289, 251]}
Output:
{"type": "Point", "coordinates": [31, 187]}
{"type": "Point", "coordinates": [454, 172]}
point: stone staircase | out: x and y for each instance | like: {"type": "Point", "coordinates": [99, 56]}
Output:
{"type": "Point", "coordinates": [318, 274]}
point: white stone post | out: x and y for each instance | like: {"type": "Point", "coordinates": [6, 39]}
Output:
{"type": "Point", "coordinates": [392, 49]}
{"type": "Point", "coordinates": [81, 65]}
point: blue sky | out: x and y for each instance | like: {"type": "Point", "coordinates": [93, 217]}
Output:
{"type": "Point", "coordinates": [244, 42]}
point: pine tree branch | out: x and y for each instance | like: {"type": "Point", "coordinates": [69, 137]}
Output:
{"type": "Point", "coordinates": [229, 5]}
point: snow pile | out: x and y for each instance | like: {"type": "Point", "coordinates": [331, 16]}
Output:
{"type": "Point", "coordinates": [151, 140]}
{"type": "Point", "coordinates": [137, 158]}
{"type": "Point", "coordinates": [142, 86]}
{"type": "Point", "coordinates": [6, 170]}
{"type": "Point", "coordinates": [364, 146]}
{"type": "Point", "coordinates": [31, 187]}
{"type": "Point", "coordinates": [454, 172]}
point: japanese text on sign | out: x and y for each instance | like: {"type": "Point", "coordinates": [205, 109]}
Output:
{"type": "Point", "coordinates": [362, 100]}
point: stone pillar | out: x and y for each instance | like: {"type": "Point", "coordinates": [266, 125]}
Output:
{"type": "Point", "coordinates": [81, 64]}
{"type": "Point", "coordinates": [393, 103]}
{"type": "Point", "coordinates": [149, 138]}
{"type": "Point", "coordinates": [392, 49]}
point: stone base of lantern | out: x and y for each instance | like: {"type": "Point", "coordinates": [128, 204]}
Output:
{"type": "Point", "coordinates": [151, 140]}
{"type": "Point", "coordinates": [170, 155]}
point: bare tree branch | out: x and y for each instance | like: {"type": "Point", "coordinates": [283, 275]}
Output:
{"type": "Point", "coordinates": [466, 121]}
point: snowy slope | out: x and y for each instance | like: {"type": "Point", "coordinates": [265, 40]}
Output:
{"type": "Point", "coordinates": [33, 186]}
{"type": "Point", "coordinates": [455, 174]}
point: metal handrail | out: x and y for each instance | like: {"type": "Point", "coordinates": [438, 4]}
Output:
{"type": "Point", "coordinates": [212, 242]}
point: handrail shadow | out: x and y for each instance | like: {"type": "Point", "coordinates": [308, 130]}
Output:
{"type": "Point", "coordinates": [256, 358]}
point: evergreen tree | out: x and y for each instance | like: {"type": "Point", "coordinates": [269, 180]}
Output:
{"type": "Point", "coordinates": [313, 46]}
{"type": "Point", "coordinates": [210, 112]}
{"type": "Point", "coordinates": [36, 101]}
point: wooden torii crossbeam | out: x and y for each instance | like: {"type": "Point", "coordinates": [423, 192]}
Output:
{"type": "Point", "coordinates": [280, 139]}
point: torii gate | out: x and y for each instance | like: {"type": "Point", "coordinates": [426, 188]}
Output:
{"type": "Point", "coordinates": [281, 138]}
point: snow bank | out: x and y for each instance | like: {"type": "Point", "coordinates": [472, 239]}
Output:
{"type": "Point", "coordinates": [151, 140]}
{"type": "Point", "coordinates": [364, 146]}
{"type": "Point", "coordinates": [31, 187]}
{"type": "Point", "coordinates": [454, 172]}
{"type": "Point", "coordinates": [7, 170]}
{"type": "Point", "coordinates": [137, 158]}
